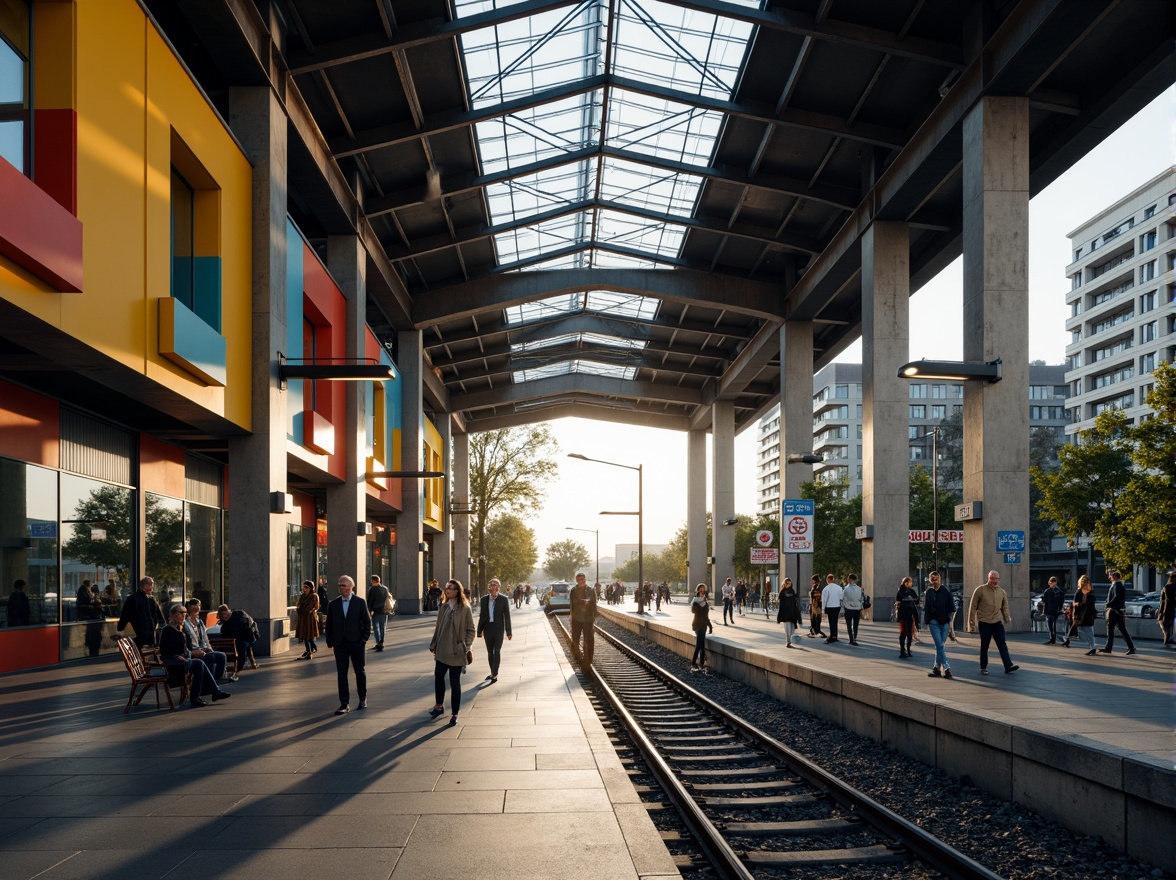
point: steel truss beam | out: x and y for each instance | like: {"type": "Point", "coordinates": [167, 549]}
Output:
{"type": "Point", "coordinates": [579, 384]}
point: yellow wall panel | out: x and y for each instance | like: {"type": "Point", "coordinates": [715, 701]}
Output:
{"type": "Point", "coordinates": [55, 33]}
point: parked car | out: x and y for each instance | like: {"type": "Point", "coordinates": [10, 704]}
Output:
{"type": "Point", "coordinates": [1145, 606]}
{"type": "Point", "coordinates": [559, 597]}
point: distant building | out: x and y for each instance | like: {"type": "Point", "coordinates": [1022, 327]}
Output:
{"type": "Point", "coordinates": [837, 423]}
{"type": "Point", "coordinates": [1122, 303]}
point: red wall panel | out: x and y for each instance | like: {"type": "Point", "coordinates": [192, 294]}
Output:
{"type": "Point", "coordinates": [30, 426]}
{"type": "Point", "coordinates": [29, 648]}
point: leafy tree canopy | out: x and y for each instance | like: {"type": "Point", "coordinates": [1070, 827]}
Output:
{"type": "Point", "coordinates": [565, 558]}
{"type": "Point", "coordinates": [511, 552]}
{"type": "Point", "coordinates": [835, 518]}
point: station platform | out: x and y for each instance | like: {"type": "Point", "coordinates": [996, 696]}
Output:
{"type": "Point", "coordinates": [1085, 740]}
{"type": "Point", "coordinates": [272, 784]}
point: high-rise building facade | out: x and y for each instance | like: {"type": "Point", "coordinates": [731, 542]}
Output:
{"type": "Point", "coordinates": [1122, 303]}
{"type": "Point", "coordinates": [837, 423]}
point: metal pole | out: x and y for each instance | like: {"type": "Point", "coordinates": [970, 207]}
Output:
{"type": "Point", "coordinates": [935, 497]}
{"type": "Point", "coordinates": [640, 529]}
{"type": "Point", "coordinates": [597, 555]}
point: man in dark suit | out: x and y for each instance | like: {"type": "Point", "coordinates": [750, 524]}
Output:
{"type": "Point", "coordinates": [1116, 614]}
{"type": "Point", "coordinates": [493, 623]}
{"type": "Point", "coordinates": [349, 626]}
{"type": "Point", "coordinates": [142, 612]}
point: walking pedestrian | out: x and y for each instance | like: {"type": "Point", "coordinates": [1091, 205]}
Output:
{"type": "Point", "coordinates": [307, 627]}
{"type": "Point", "coordinates": [453, 635]}
{"type": "Point", "coordinates": [728, 602]}
{"type": "Point", "coordinates": [583, 614]}
{"type": "Point", "coordinates": [939, 608]}
{"type": "Point", "coordinates": [1052, 602]}
{"type": "Point", "coordinates": [831, 603]}
{"type": "Point", "coordinates": [701, 624]}
{"type": "Point", "coordinates": [1166, 615]}
{"type": "Point", "coordinates": [493, 624]}
{"type": "Point", "coordinates": [741, 595]}
{"type": "Point", "coordinates": [380, 605]}
{"type": "Point", "coordinates": [1117, 614]}
{"type": "Point", "coordinates": [815, 608]}
{"type": "Point", "coordinates": [788, 612]}
{"type": "Point", "coordinates": [349, 626]}
{"type": "Point", "coordinates": [851, 603]}
{"type": "Point", "coordinates": [1084, 613]}
{"type": "Point", "coordinates": [906, 612]}
{"type": "Point", "coordinates": [989, 612]}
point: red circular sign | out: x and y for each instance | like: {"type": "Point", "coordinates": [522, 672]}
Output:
{"type": "Point", "coordinates": [798, 525]}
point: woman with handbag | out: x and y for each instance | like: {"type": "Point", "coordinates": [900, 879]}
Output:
{"type": "Point", "coordinates": [906, 608]}
{"type": "Point", "coordinates": [788, 611]}
{"type": "Point", "coordinates": [307, 627]}
{"type": "Point", "coordinates": [1084, 613]}
{"type": "Point", "coordinates": [452, 637]}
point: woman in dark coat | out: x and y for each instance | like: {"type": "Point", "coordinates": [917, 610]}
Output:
{"type": "Point", "coordinates": [307, 628]}
{"type": "Point", "coordinates": [1084, 613]}
{"type": "Point", "coordinates": [906, 604]}
{"type": "Point", "coordinates": [1166, 615]}
{"type": "Point", "coordinates": [788, 612]}
{"type": "Point", "coordinates": [700, 623]}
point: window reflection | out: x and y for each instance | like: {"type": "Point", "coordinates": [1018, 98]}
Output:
{"type": "Point", "coordinates": [164, 533]}
{"type": "Point", "coordinates": [203, 555]}
{"type": "Point", "coordinates": [28, 544]}
{"type": "Point", "coordinates": [14, 83]}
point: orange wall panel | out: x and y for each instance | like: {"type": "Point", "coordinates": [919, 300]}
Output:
{"type": "Point", "coordinates": [29, 648]}
{"type": "Point", "coordinates": [161, 467]}
{"type": "Point", "coordinates": [30, 426]}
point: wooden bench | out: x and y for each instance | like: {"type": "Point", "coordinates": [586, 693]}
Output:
{"type": "Point", "coordinates": [145, 675]}
{"type": "Point", "coordinates": [229, 648]}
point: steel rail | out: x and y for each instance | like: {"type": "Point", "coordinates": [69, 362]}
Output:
{"type": "Point", "coordinates": [726, 863]}
{"type": "Point", "coordinates": [925, 846]}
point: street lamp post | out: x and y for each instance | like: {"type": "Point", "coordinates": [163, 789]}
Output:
{"type": "Point", "coordinates": [934, 435]}
{"type": "Point", "coordinates": [639, 513]}
{"type": "Point", "coordinates": [597, 533]}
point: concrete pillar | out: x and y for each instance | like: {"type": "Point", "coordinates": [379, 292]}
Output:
{"type": "Point", "coordinates": [722, 492]}
{"type": "Point", "coordinates": [347, 501]}
{"type": "Point", "coordinates": [409, 531]}
{"type": "Point", "coordinates": [796, 431]}
{"type": "Point", "coordinates": [996, 325]}
{"type": "Point", "coordinates": [460, 492]}
{"type": "Point", "coordinates": [442, 545]}
{"type": "Point", "coordinates": [256, 539]}
{"type": "Point", "coordinates": [697, 571]}
{"type": "Point", "coordinates": [885, 400]}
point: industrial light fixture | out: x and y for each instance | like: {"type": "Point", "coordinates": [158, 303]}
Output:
{"type": "Point", "coordinates": [334, 370]}
{"type": "Point", "coordinates": [804, 458]}
{"type": "Point", "coordinates": [959, 371]}
{"type": "Point", "coordinates": [733, 521]}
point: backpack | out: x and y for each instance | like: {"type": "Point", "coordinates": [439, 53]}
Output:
{"type": "Point", "coordinates": [866, 602]}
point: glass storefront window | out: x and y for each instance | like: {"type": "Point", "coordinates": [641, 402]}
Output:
{"type": "Point", "coordinates": [165, 545]}
{"type": "Point", "coordinates": [202, 555]}
{"type": "Point", "coordinates": [300, 560]}
{"type": "Point", "coordinates": [28, 544]}
{"type": "Point", "coordinates": [14, 83]}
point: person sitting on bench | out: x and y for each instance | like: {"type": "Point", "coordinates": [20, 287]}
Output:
{"type": "Point", "coordinates": [173, 651]}
{"type": "Point", "coordinates": [241, 628]}
{"type": "Point", "coordinates": [198, 645]}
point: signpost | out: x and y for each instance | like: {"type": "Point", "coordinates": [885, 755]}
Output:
{"type": "Point", "coordinates": [1007, 542]}
{"type": "Point", "coordinates": [796, 527]}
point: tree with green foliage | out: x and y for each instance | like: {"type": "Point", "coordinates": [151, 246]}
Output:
{"type": "Point", "coordinates": [509, 471]}
{"type": "Point", "coordinates": [1043, 455]}
{"type": "Point", "coordinates": [565, 558]}
{"type": "Point", "coordinates": [511, 552]}
{"type": "Point", "coordinates": [745, 533]}
{"type": "Point", "coordinates": [922, 517]}
{"type": "Point", "coordinates": [835, 518]}
{"type": "Point", "coordinates": [101, 534]}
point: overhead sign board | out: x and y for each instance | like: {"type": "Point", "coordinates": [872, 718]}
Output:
{"type": "Point", "coordinates": [969, 510]}
{"type": "Point", "coordinates": [926, 536]}
{"type": "Point", "coordinates": [764, 538]}
{"type": "Point", "coordinates": [864, 533]}
{"type": "Point", "coordinates": [796, 525]}
{"type": "Point", "coordinates": [1012, 558]}
{"type": "Point", "coordinates": [765, 556]}
{"type": "Point", "coordinates": [1008, 542]}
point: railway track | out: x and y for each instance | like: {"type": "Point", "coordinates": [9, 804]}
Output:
{"type": "Point", "coordinates": [750, 806]}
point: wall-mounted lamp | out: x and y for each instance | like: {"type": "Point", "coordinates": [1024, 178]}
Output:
{"type": "Point", "coordinates": [281, 502]}
{"type": "Point", "coordinates": [363, 529]}
{"type": "Point", "coordinates": [960, 371]}
{"type": "Point", "coordinates": [710, 560]}
{"type": "Point", "coordinates": [334, 370]}
{"type": "Point", "coordinates": [804, 458]}
{"type": "Point", "coordinates": [423, 547]}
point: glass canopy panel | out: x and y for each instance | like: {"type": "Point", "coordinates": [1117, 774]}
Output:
{"type": "Point", "coordinates": [551, 307]}
{"type": "Point", "coordinates": [583, 367]}
{"type": "Point", "coordinates": [639, 233]}
{"type": "Point", "coordinates": [641, 186]}
{"type": "Point", "coordinates": [539, 238]}
{"type": "Point", "coordinates": [683, 49]}
{"type": "Point", "coordinates": [537, 133]}
{"type": "Point", "coordinates": [580, 338]}
{"type": "Point", "coordinates": [630, 305]}
{"type": "Point", "coordinates": [535, 194]}
{"type": "Point", "coordinates": [661, 128]}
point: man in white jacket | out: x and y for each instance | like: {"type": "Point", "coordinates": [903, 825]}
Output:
{"type": "Point", "coordinates": [831, 600]}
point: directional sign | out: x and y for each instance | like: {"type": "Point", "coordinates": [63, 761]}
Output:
{"type": "Point", "coordinates": [1012, 558]}
{"type": "Point", "coordinates": [764, 538]}
{"type": "Point", "coordinates": [765, 556]}
{"type": "Point", "coordinates": [1010, 542]}
{"type": "Point", "coordinates": [797, 521]}
{"type": "Point", "coordinates": [927, 536]}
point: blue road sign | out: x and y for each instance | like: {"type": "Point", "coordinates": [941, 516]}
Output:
{"type": "Point", "coordinates": [1012, 558]}
{"type": "Point", "coordinates": [797, 507]}
{"type": "Point", "coordinates": [1010, 542]}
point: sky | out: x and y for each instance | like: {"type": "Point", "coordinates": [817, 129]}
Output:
{"type": "Point", "coordinates": [1129, 157]}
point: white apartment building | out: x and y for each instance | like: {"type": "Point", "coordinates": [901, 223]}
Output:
{"type": "Point", "coordinates": [1122, 303]}
{"type": "Point", "coordinates": [837, 423]}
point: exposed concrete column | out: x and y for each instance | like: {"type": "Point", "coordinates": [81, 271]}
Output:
{"type": "Point", "coordinates": [347, 501]}
{"type": "Point", "coordinates": [796, 430]}
{"type": "Point", "coordinates": [696, 549]}
{"type": "Point", "coordinates": [257, 462]}
{"type": "Point", "coordinates": [996, 324]}
{"type": "Point", "coordinates": [409, 531]}
{"type": "Point", "coordinates": [722, 491]}
{"type": "Point", "coordinates": [461, 501]}
{"type": "Point", "coordinates": [886, 285]}
{"type": "Point", "coordinates": [442, 546]}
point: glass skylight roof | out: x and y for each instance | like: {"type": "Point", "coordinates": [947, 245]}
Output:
{"type": "Point", "coordinates": [581, 338]}
{"type": "Point", "coordinates": [687, 51]}
{"type": "Point", "coordinates": [583, 367]}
